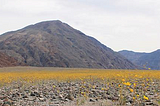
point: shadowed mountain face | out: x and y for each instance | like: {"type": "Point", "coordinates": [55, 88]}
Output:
{"type": "Point", "coordinates": [146, 60]}
{"type": "Point", "coordinates": [56, 44]}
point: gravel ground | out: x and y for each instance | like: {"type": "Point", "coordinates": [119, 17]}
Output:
{"type": "Point", "coordinates": [76, 93]}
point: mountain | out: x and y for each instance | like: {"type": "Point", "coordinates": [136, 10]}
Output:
{"type": "Point", "coordinates": [145, 60]}
{"type": "Point", "coordinates": [132, 56]}
{"type": "Point", "coordinates": [56, 44]}
{"type": "Point", "coordinates": [6, 61]}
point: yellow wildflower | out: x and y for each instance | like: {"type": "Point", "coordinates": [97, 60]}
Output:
{"type": "Point", "coordinates": [102, 89]}
{"type": "Point", "coordinates": [134, 84]}
{"type": "Point", "coordinates": [127, 83]}
{"type": "Point", "coordinates": [123, 80]}
{"type": "Point", "coordinates": [94, 87]}
{"type": "Point", "coordinates": [145, 97]}
{"type": "Point", "coordinates": [54, 86]}
{"type": "Point", "coordinates": [131, 90]}
{"type": "Point", "coordinates": [119, 86]}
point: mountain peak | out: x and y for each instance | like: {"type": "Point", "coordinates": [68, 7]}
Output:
{"type": "Point", "coordinates": [56, 44]}
{"type": "Point", "coordinates": [49, 22]}
{"type": "Point", "coordinates": [45, 24]}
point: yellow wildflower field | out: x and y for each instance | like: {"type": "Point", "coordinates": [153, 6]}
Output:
{"type": "Point", "coordinates": [121, 87]}
{"type": "Point", "coordinates": [34, 74]}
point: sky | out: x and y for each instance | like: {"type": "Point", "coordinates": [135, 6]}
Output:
{"type": "Point", "coordinates": [118, 24]}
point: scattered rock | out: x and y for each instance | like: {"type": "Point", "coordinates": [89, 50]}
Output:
{"type": "Point", "coordinates": [70, 97]}
{"type": "Point", "coordinates": [44, 94]}
{"type": "Point", "coordinates": [92, 100]}
{"type": "Point", "coordinates": [42, 99]}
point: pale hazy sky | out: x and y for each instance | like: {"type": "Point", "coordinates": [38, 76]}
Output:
{"type": "Point", "coordinates": [119, 24]}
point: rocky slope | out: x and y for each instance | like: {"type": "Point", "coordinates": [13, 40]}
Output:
{"type": "Point", "coordinates": [6, 61]}
{"type": "Point", "coordinates": [145, 60]}
{"type": "Point", "coordinates": [56, 44]}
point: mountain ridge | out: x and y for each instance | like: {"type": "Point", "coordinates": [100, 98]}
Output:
{"type": "Point", "coordinates": [56, 44]}
{"type": "Point", "coordinates": [145, 60]}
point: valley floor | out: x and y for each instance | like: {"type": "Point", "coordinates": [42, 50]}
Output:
{"type": "Point", "coordinates": [40, 86]}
